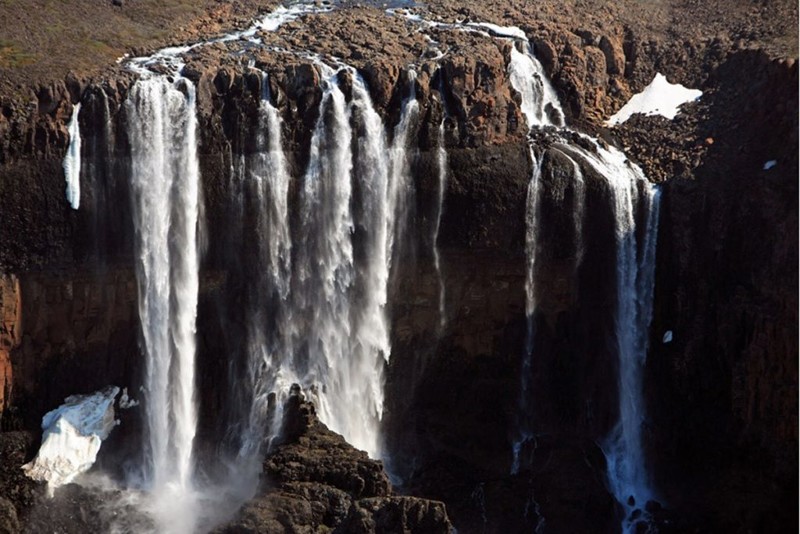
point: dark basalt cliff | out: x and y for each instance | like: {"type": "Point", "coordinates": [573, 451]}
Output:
{"type": "Point", "coordinates": [721, 432]}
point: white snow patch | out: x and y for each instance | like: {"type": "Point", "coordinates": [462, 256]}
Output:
{"type": "Point", "coordinates": [72, 436]}
{"type": "Point", "coordinates": [771, 163]}
{"type": "Point", "coordinates": [667, 337]}
{"type": "Point", "coordinates": [658, 98]}
{"type": "Point", "coordinates": [72, 161]}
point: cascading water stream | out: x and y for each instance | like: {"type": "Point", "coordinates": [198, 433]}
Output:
{"type": "Point", "coordinates": [72, 160]}
{"type": "Point", "coordinates": [353, 326]}
{"type": "Point", "coordinates": [401, 188]}
{"type": "Point", "coordinates": [442, 167]}
{"type": "Point", "coordinates": [324, 270]}
{"type": "Point", "coordinates": [635, 278]}
{"type": "Point", "coordinates": [541, 107]}
{"type": "Point", "coordinates": [540, 103]}
{"type": "Point", "coordinates": [442, 164]}
{"type": "Point", "coordinates": [268, 173]}
{"type": "Point", "coordinates": [165, 188]}
{"type": "Point", "coordinates": [331, 331]}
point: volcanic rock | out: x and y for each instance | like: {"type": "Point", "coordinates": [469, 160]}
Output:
{"type": "Point", "coordinates": [315, 480]}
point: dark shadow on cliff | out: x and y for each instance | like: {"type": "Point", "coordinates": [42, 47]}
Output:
{"type": "Point", "coordinates": [722, 395]}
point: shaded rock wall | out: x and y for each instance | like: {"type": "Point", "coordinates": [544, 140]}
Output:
{"type": "Point", "coordinates": [10, 333]}
{"type": "Point", "coordinates": [723, 394]}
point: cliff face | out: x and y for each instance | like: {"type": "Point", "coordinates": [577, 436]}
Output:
{"type": "Point", "coordinates": [721, 397]}
{"type": "Point", "coordinates": [728, 291]}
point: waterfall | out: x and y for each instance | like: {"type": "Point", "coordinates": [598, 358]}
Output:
{"type": "Point", "coordinates": [165, 180]}
{"type": "Point", "coordinates": [401, 187]}
{"type": "Point", "coordinates": [627, 471]}
{"type": "Point", "coordinates": [267, 362]}
{"type": "Point", "coordinates": [330, 330]}
{"type": "Point", "coordinates": [540, 103]}
{"type": "Point", "coordinates": [72, 160]}
{"type": "Point", "coordinates": [442, 164]}
{"type": "Point", "coordinates": [635, 278]}
{"type": "Point", "coordinates": [325, 270]}
{"type": "Point", "coordinates": [541, 107]}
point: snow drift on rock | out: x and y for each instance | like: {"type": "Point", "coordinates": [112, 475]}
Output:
{"type": "Point", "coordinates": [72, 436]}
{"type": "Point", "coordinates": [658, 98]}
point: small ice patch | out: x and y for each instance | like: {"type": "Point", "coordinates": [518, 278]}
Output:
{"type": "Point", "coordinates": [72, 161]}
{"type": "Point", "coordinates": [667, 337]}
{"type": "Point", "coordinates": [768, 165]}
{"type": "Point", "coordinates": [658, 98]}
{"type": "Point", "coordinates": [72, 436]}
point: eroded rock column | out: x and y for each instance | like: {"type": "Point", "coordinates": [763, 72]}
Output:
{"type": "Point", "coordinates": [10, 333]}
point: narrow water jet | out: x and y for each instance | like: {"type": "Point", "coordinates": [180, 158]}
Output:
{"type": "Point", "coordinates": [442, 165]}
{"type": "Point", "coordinates": [72, 160]}
{"type": "Point", "coordinates": [541, 107]}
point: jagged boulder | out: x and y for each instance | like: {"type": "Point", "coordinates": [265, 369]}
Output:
{"type": "Point", "coordinates": [314, 481]}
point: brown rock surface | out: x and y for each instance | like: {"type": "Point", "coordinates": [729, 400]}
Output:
{"type": "Point", "coordinates": [10, 334]}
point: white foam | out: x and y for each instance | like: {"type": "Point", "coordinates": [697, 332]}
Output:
{"type": "Point", "coordinates": [539, 99]}
{"type": "Point", "coordinates": [667, 337]}
{"type": "Point", "coordinates": [512, 32]}
{"type": "Point", "coordinates": [658, 98]}
{"type": "Point", "coordinates": [73, 433]}
{"type": "Point", "coordinates": [770, 164]}
{"type": "Point", "coordinates": [126, 402]}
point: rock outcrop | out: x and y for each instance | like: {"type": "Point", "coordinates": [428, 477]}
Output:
{"type": "Point", "coordinates": [314, 481]}
{"type": "Point", "coordinates": [10, 334]}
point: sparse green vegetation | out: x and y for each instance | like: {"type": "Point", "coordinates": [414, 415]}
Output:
{"type": "Point", "coordinates": [12, 57]}
{"type": "Point", "coordinates": [43, 40]}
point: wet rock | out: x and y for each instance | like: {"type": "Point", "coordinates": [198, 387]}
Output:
{"type": "Point", "coordinates": [77, 509]}
{"type": "Point", "coordinates": [396, 515]}
{"type": "Point", "coordinates": [17, 448]}
{"type": "Point", "coordinates": [314, 479]}
{"type": "Point", "coordinates": [312, 453]}
{"type": "Point", "coordinates": [9, 524]}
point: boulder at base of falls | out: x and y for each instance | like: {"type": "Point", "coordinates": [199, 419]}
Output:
{"type": "Point", "coordinates": [315, 481]}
